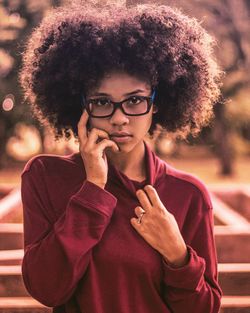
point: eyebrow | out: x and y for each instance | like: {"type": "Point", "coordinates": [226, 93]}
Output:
{"type": "Point", "coordinates": [126, 94]}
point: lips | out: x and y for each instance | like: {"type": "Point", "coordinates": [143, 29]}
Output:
{"type": "Point", "coordinates": [121, 137]}
{"type": "Point", "coordinates": [120, 134]}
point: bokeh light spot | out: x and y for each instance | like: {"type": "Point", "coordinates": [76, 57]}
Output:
{"type": "Point", "coordinates": [8, 103]}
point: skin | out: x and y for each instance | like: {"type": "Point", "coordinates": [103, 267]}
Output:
{"type": "Point", "coordinates": [158, 227]}
{"type": "Point", "coordinates": [130, 159]}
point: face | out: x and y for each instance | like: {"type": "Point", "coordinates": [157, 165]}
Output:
{"type": "Point", "coordinates": [126, 131]}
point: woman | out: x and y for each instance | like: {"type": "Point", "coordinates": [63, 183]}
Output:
{"type": "Point", "coordinates": [113, 228]}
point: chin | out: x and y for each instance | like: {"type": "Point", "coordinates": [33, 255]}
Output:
{"type": "Point", "coordinates": [127, 147]}
{"type": "Point", "coordinates": [123, 148]}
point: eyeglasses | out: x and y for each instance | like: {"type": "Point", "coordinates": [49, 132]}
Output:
{"type": "Point", "coordinates": [132, 106]}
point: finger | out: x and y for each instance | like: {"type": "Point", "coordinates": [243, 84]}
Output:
{"type": "Point", "coordinates": [136, 225]}
{"type": "Point", "coordinates": [143, 199]}
{"type": "Point", "coordinates": [81, 127]}
{"type": "Point", "coordinates": [153, 195]}
{"type": "Point", "coordinates": [94, 135]}
{"type": "Point", "coordinates": [139, 210]}
{"type": "Point", "coordinates": [105, 143]}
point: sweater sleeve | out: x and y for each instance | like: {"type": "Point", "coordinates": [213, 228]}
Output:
{"type": "Point", "coordinates": [194, 287]}
{"type": "Point", "coordinates": [57, 254]}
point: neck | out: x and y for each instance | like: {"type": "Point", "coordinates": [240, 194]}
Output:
{"type": "Point", "coordinates": [131, 163]}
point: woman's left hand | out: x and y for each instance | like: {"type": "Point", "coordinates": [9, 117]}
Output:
{"type": "Point", "coordinates": [159, 227]}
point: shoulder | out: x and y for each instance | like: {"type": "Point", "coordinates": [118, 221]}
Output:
{"type": "Point", "coordinates": [188, 182]}
{"type": "Point", "coordinates": [50, 162]}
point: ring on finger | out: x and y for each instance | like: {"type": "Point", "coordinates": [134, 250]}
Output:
{"type": "Point", "coordinates": [139, 219]}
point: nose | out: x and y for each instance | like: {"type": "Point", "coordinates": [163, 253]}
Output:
{"type": "Point", "coordinates": [119, 118]}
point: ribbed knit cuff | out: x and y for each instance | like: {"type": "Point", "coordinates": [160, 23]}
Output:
{"type": "Point", "coordinates": [187, 276]}
{"type": "Point", "coordinates": [94, 196]}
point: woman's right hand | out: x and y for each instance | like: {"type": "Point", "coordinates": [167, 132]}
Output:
{"type": "Point", "coordinates": [92, 151]}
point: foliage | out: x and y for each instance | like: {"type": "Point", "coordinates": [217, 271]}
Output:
{"type": "Point", "coordinates": [17, 19]}
{"type": "Point", "coordinates": [227, 20]}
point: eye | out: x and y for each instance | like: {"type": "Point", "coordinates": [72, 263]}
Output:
{"type": "Point", "coordinates": [99, 102]}
{"type": "Point", "coordinates": [135, 100]}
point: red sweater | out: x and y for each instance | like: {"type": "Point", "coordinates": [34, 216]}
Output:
{"type": "Point", "coordinates": [83, 255]}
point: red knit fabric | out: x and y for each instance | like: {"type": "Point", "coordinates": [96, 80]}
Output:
{"type": "Point", "coordinates": [83, 255]}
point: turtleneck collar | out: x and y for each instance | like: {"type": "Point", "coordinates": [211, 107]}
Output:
{"type": "Point", "coordinates": [154, 169]}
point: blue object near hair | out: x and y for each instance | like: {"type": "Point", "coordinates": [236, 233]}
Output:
{"type": "Point", "coordinates": [153, 95]}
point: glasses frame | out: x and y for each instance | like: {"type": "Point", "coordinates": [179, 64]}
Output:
{"type": "Point", "coordinates": [117, 105]}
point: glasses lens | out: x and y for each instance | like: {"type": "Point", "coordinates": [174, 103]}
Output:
{"type": "Point", "coordinates": [135, 106]}
{"type": "Point", "coordinates": [100, 107]}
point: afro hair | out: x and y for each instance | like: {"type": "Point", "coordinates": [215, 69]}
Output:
{"type": "Point", "coordinates": [74, 47]}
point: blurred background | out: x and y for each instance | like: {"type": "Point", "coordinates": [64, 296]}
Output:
{"type": "Point", "coordinates": [219, 156]}
{"type": "Point", "coordinates": [223, 148]}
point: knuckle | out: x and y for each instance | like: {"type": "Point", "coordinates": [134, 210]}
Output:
{"type": "Point", "coordinates": [163, 213]}
{"type": "Point", "coordinates": [103, 133]}
{"type": "Point", "coordinates": [92, 153]}
{"type": "Point", "coordinates": [137, 210]}
{"type": "Point", "coordinates": [167, 215]}
{"type": "Point", "coordinates": [105, 141]}
{"type": "Point", "coordinates": [85, 149]}
{"type": "Point", "coordinates": [162, 209]}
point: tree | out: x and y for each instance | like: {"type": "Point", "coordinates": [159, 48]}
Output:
{"type": "Point", "coordinates": [228, 21]}
{"type": "Point", "coordinates": [18, 18]}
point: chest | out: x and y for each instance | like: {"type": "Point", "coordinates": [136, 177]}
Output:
{"type": "Point", "coordinates": [123, 249]}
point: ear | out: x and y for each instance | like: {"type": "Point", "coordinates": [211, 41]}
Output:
{"type": "Point", "coordinates": [155, 109]}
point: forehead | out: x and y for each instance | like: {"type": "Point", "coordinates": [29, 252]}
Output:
{"type": "Point", "coordinates": [119, 83]}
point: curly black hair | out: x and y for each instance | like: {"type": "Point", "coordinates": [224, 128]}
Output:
{"type": "Point", "coordinates": [75, 47]}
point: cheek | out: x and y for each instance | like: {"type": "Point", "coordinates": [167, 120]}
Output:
{"type": "Point", "coordinates": [97, 123]}
{"type": "Point", "coordinates": [148, 123]}
{"type": "Point", "coordinates": [148, 120]}
{"type": "Point", "coordinates": [143, 123]}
